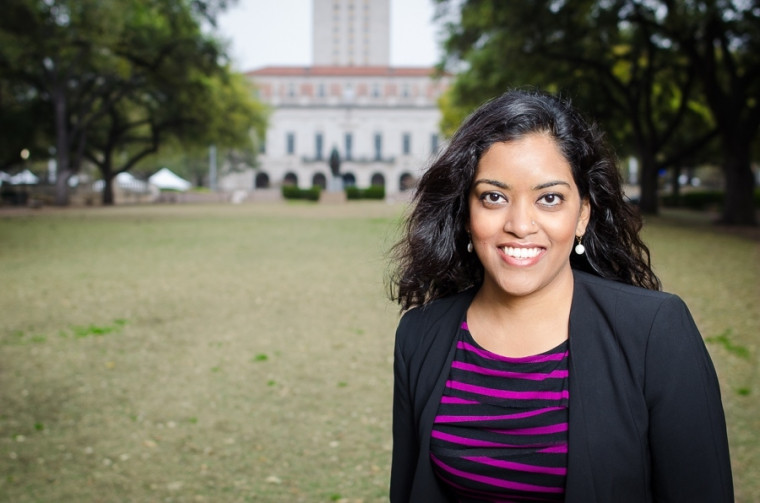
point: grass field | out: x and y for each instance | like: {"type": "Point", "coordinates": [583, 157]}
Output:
{"type": "Point", "coordinates": [244, 353]}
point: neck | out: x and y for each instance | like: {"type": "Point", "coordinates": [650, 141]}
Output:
{"type": "Point", "coordinates": [522, 325]}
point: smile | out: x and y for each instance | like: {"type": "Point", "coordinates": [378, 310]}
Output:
{"type": "Point", "coordinates": [521, 253]}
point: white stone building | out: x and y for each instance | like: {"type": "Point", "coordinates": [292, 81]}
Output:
{"type": "Point", "coordinates": [383, 121]}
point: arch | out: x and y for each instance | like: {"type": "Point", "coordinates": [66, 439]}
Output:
{"type": "Point", "coordinates": [319, 180]}
{"type": "Point", "coordinates": [262, 181]}
{"type": "Point", "coordinates": [349, 180]}
{"type": "Point", "coordinates": [290, 179]}
{"type": "Point", "coordinates": [406, 182]}
{"type": "Point", "coordinates": [377, 180]}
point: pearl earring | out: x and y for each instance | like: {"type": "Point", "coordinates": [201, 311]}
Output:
{"type": "Point", "coordinates": [469, 246]}
{"type": "Point", "coordinates": [579, 248]}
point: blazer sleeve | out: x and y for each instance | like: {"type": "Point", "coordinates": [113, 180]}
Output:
{"type": "Point", "coordinates": [688, 442]}
{"type": "Point", "coordinates": [405, 445]}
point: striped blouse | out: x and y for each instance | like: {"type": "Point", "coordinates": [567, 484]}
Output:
{"type": "Point", "coordinates": [501, 429]}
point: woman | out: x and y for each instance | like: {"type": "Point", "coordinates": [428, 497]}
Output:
{"type": "Point", "coordinates": [540, 361]}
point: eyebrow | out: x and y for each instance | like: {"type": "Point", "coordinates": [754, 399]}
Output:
{"type": "Point", "coordinates": [505, 186]}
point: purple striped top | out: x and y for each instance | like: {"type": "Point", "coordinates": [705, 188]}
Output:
{"type": "Point", "coordinates": [501, 429]}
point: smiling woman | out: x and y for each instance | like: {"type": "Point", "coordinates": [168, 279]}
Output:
{"type": "Point", "coordinates": [525, 212]}
{"type": "Point", "coordinates": [530, 368]}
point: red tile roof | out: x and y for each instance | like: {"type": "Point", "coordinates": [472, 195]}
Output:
{"type": "Point", "coordinates": [342, 71]}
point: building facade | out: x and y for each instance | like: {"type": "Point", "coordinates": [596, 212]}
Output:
{"type": "Point", "coordinates": [382, 121]}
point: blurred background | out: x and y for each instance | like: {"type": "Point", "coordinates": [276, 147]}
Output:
{"type": "Point", "coordinates": [251, 99]}
{"type": "Point", "coordinates": [197, 198]}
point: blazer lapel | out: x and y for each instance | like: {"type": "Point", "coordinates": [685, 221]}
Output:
{"type": "Point", "coordinates": [580, 474]}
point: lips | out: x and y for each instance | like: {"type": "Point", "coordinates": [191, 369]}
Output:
{"type": "Point", "coordinates": [521, 253]}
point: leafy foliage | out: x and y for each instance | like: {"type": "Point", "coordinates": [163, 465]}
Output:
{"type": "Point", "coordinates": [122, 77]}
{"type": "Point", "coordinates": [645, 69]}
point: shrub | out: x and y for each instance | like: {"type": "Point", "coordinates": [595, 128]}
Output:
{"type": "Point", "coordinates": [293, 192]}
{"type": "Point", "coordinates": [373, 192]}
{"type": "Point", "coordinates": [695, 200]}
{"type": "Point", "coordinates": [701, 200]}
{"type": "Point", "coordinates": [353, 193]}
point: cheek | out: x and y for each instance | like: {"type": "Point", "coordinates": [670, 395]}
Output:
{"type": "Point", "coordinates": [483, 224]}
{"type": "Point", "coordinates": [562, 230]}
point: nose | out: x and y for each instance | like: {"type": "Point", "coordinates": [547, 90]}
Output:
{"type": "Point", "coordinates": [520, 220]}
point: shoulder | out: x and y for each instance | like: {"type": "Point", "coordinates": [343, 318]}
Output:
{"type": "Point", "coordinates": [422, 323]}
{"type": "Point", "coordinates": [632, 312]}
{"type": "Point", "coordinates": [440, 307]}
{"type": "Point", "coordinates": [613, 294]}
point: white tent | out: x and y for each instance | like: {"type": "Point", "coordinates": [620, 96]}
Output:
{"type": "Point", "coordinates": [26, 177]}
{"type": "Point", "coordinates": [166, 179]}
{"type": "Point", "coordinates": [124, 181]}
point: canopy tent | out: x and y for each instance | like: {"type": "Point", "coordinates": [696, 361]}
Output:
{"type": "Point", "coordinates": [166, 179]}
{"type": "Point", "coordinates": [124, 181]}
{"type": "Point", "coordinates": [25, 177]}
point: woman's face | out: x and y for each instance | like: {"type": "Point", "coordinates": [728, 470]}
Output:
{"type": "Point", "coordinates": [525, 211]}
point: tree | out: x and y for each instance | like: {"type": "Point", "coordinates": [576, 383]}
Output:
{"type": "Point", "coordinates": [46, 46]}
{"type": "Point", "coordinates": [121, 76]}
{"type": "Point", "coordinates": [611, 56]}
{"type": "Point", "coordinates": [181, 89]}
{"type": "Point", "coordinates": [236, 128]}
{"type": "Point", "coordinates": [721, 38]}
{"type": "Point", "coordinates": [21, 114]}
{"type": "Point", "coordinates": [205, 110]}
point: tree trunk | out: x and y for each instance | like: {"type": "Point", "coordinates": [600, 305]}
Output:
{"type": "Point", "coordinates": [62, 187]}
{"type": "Point", "coordinates": [649, 203]}
{"type": "Point", "coordinates": [738, 208]}
{"type": "Point", "coordinates": [62, 152]}
{"type": "Point", "coordinates": [108, 181]}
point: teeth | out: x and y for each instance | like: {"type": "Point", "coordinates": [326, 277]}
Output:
{"type": "Point", "coordinates": [521, 252]}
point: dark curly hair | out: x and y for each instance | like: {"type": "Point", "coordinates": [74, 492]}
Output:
{"type": "Point", "coordinates": [431, 260]}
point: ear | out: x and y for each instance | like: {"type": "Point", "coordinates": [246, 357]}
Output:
{"type": "Point", "coordinates": [583, 217]}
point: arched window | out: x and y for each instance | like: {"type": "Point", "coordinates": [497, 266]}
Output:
{"type": "Point", "coordinates": [378, 180]}
{"type": "Point", "coordinates": [349, 180]}
{"type": "Point", "coordinates": [262, 181]}
{"type": "Point", "coordinates": [319, 180]}
{"type": "Point", "coordinates": [290, 179]}
{"type": "Point", "coordinates": [406, 182]}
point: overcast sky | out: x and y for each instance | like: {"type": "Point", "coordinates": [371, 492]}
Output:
{"type": "Point", "coordinates": [278, 32]}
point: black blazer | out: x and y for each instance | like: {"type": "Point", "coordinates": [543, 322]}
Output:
{"type": "Point", "coordinates": [646, 422]}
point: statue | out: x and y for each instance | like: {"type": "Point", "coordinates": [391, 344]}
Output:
{"type": "Point", "coordinates": [334, 192]}
{"type": "Point", "coordinates": [335, 162]}
{"type": "Point", "coordinates": [336, 184]}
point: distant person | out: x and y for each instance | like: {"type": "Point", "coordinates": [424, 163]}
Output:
{"type": "Point", "coordinates": [538, 360]}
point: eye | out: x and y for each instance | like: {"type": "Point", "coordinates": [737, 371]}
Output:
{"type": "Point", "coordinates": [492, 198]}
{"type": "Point", "coordinates": [551, 200]}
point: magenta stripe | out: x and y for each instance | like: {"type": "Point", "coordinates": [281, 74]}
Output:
{"type": "Point", "coordinates": [555, 449]}
{"type": "Point", "coordinates": [539, 430]}
{"type": "Point", "coordinates": [517, 395]}
{"type": "Point", "coordinates": [533, 376]}
{"type": "Point", "coordinates": [470, 442]}
{"type": "Point", "coordinates": [507, 484]}
{"type": "Point", "coordinates": [456, 400]}
{"type": "Point", "coordinates": [521, 467]}
{"type": "Point", "coordinates": [519, 415]}
{"type": "Point", "coordinates": [552, 357]}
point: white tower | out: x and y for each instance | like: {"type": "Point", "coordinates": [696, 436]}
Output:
{"type": "Point", "coordinates": [351, 33]}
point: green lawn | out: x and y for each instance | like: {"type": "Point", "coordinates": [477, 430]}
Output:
{"type": "Point", "coordinates": [244, 353]}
